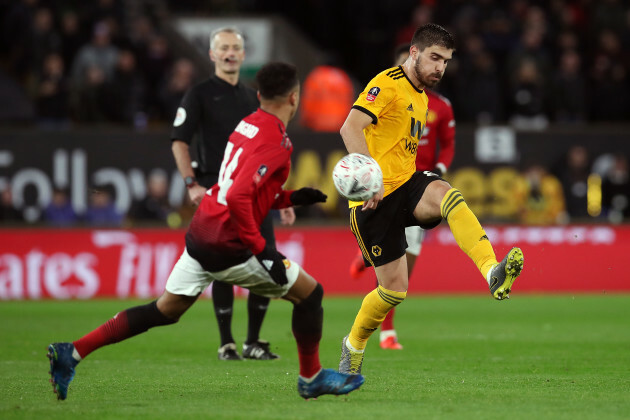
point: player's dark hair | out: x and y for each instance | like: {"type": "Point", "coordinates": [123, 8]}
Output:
{"type": "Point", "coordinates": [276, 79]}
{"type": "Point", "coordinates": [432, 34]}
{"type": "Point", "coordinates": [401, 49]}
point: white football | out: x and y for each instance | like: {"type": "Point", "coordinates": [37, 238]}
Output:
{"type": "Point", "coordinates": [357, 177]}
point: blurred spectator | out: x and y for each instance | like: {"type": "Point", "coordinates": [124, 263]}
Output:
{"type": "Point", "coordinates": [96, 11]}
{"type": "Point", "coordinates": [101, 210]}
{"type": "Point", "coordinates": [90, 99]}
{"type": "Point", "coordinates": [181, 78]}
{"type": "Point", "coordinates": [479, 82]}
{"type": "Point", "coordinates": [156, 62]}
{"type": "Point", "coordinates": [125, 92]}
{"type": "Point", "coordinates": [44, 39]}
{"type": "Point", "coordinates": [573, 172]}
{"type": "Point", "coordinates": [98, 53]}
{"type": "Point", "coordinates": [568, 15]}
{"type": "Point", "coordinates": [60, 212]}
{"type": "Point", "coordinates": [141, 31]}
{"type": "Point", "coordinates": [567, 40]}
{"type": "Point", "coordinates": [421, 14]}
{"type": "Point", "coordinates": [156, 59]}
{"type": "Point", "coordinates": [530, 49]}
{"type": "Point", "coordinates": [498, 30]}
{"type": "Point", "coordinates": [154, 206]}
{"type": "Point", "coordinates": [327, 95]}
{"type": "Point", "coordinates": [52, 97]}
{"type": "Point", "coordinates": [71, 37]}
{"type": "Point", "coordinates": [616, 190]}
{"type": "Point", "coordinates": [569, 89]}
{"type": "Point", "coordinates": [527, 98]}
{"type": "Point", "coordinates": [608, 15]}
{"type": "Point", "coordinates": [15, 104]}
{"type": "Point", "coordinates": [17, 27]}
{"type": "Point", "coordinates": [540, 197]}
{"type": "Point", "coordinates": [609, 77]}
{"type": "Point", "coordinates": [8, 213]}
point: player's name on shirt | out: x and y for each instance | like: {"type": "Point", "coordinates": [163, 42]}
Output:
{"type": "Point", "coordinates": [247, 129]}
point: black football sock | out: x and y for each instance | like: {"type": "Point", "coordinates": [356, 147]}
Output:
{"type": "Point", "coordinates": [256, 309]}
{"type": "Point", "coordinates": [223, 299]}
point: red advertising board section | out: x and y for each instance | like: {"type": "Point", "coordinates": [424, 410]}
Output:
{"type": "Point", "coordinates": [83, 264]}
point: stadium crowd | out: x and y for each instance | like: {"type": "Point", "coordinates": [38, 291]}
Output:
{"type": "Point", "coordinates": [527, 62]}
{"type": "Point", "coordinates": [104, 61]}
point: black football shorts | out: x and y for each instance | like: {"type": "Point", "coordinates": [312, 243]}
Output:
{"type": "Point", "coordinates": [380, 232]}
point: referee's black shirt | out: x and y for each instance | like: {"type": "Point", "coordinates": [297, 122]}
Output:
{"type": "Point", "coordinates": [212, 109]}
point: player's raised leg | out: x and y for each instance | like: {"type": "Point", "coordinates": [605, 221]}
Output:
{"type": "Point", "coordinates": [471, 237]}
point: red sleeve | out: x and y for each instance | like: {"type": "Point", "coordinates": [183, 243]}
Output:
{"type": "Point", "coordinates": [446, 133]}
{"type": "Point", "coordinates": [244, 190]}
{"type": "Point", "coordinates": [283, 200]}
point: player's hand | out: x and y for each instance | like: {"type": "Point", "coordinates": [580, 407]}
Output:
{"type": "Point", "coordinates": [271, 261]}
{"type": "Point", "coordinates": [306, 196]}
{"type": "Point", "coordinates": [372, 203]}
{"type": "Point", "coordinates": [196, 194]}
{"type": "Point", "coordinates": [287, 216]}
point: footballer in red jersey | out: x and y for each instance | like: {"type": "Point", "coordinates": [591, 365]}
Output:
{"type": "Point", "coordinates": [439, 131]}
{"type": "Point", "coordinates": [224, 243]}
{"type": "Point", "coordinates": [436, 149]}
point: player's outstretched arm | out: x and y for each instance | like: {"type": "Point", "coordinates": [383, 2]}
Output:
{"type": "Point", "coordinates": [352, 132]}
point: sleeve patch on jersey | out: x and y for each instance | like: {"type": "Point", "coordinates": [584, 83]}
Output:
{"type": "Point", "coordinates": [373, 93]}
{"type": "Point", "coordinates": [260, 173]}
{"type": "Point", "coordinates": [180, 117]}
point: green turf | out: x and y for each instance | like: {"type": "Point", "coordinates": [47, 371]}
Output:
{"type": "Point", "coordinates": [533, 357]}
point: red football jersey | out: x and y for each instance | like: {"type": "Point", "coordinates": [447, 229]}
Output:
{"type": "Point", "coordinates": [440, 128]}
{"type": "Point", "coordinates": [255, 165]}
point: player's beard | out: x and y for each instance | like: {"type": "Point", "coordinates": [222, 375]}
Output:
{"type": "Point", "coordinates": [426, 80]}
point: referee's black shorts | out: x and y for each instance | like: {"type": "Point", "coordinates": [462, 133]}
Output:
{"type": "Point", "coordinates": [380, 232]}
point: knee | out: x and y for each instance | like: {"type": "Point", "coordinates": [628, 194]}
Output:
{"type": "Point", "coordinates": [439, 189]}
{"type": "Point", "coordinates": [163, 316]}
{"type": "Point", "coordinates": [314, 300]}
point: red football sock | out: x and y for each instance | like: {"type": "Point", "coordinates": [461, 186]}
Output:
{"type": "Point", "coordinates": [113, 331]}
{"type": "Point", "coordinates": [308, 354]}
{"type": "Point", "coordinates": [125, 324]}
{"type": "Point", "coordinates": [306, 324]}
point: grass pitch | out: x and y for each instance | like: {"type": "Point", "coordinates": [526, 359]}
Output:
{"type": "Point", "coordinates": [555, 357]}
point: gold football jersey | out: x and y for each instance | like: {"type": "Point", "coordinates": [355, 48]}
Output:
{"type": "Point", "coordinates": [399, 114]}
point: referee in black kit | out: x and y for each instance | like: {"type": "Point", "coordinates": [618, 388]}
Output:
{"type": "Point", "coordinates": [212, 109]}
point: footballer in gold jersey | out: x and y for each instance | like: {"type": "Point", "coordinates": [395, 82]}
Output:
{"type": "Point", "coordinates": [398, 110]}
{"type": "Point", "coordinates": [386, 122]}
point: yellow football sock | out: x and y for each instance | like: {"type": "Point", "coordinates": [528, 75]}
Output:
{"type": "Point", "coordinates": [467, 231]}
{"type": "Point", "coordinates": [372, 313]}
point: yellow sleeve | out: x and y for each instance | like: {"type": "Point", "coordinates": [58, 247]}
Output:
{"type": "Point", "coordinates": [377, 96]}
